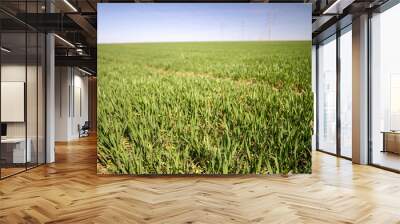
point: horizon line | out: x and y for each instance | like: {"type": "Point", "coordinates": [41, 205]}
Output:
{"type": "Point", "coordinates": [201, 41]}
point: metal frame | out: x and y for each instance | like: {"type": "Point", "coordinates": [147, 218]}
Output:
{"type": "Point", "coordinates": [317, 90]}
{"type": "Point", "coordinates": [338, 74]}
{"type": "Point", "coordinates": [369, 90]}
{"type": "Point", "coordinates": [0, 92]}
{"type": "Point", "coordinates": [338, 153]}
{"type": "Point", "coordinates": [26, 89]}
{"type": "Point", "coordinates": [316, 98]}
{"type": "Point", "coordinates": [37, 91]}
{"type": "Point", "coordinates": [44, 74]}
{"type": "Point", "coordinates": [387, 5]}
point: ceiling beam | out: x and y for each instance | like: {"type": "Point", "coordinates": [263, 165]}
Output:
{"type": "Point", "coordinates": [77, 61]}
{"type": "Point", "coordinates": [86, 27]}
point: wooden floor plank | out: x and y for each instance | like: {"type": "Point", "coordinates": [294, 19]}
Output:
{"type": "Point", "coordinates": [70, 191]}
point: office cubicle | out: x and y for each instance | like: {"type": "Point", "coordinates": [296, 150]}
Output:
{"type": "Point", "coordinates": [22, 94]}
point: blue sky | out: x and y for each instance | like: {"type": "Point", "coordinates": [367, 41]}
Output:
{"type": "Point", "coordinates": [155, 22]}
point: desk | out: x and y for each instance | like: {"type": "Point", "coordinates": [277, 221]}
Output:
{"type": "Point", "coordinates": [15, 148]}
{"type": "Point", "coordinates": [391, 141]}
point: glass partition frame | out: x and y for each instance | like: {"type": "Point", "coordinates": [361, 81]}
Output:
{"type": "Point", "coordinates": [337, 150]}
{"type": "Point", "coordinates": [33, 65]}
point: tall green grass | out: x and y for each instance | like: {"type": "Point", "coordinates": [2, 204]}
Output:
{"type": "Point", "coordinates": [205, 108]}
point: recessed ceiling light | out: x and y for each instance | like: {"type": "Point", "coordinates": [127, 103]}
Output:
{"type": "Point", "coordinates": [64, 40]}
{"type": "Point", "coordinates": [70, 5]}
{"type": "Point", "coordinates": [84, 71]}
{"type": "Point", "coordinates": [337, 7]}
{"type": "Point", "coordinates": [5, 50]}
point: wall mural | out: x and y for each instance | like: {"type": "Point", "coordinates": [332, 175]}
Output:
{"type": "Point", "coordinates": [204, 88]}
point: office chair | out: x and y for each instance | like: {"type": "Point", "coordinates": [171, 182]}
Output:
{"type": "Point", "coordinates": [84, 130]}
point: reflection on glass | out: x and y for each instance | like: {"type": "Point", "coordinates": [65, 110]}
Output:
{"type": "Point", "coordinates": [14, 153]}
{"type": "Point", "coordinates": [346, 92]}
{"type": "Point", "coordinates": [41, 98]}
{"type": "Point", "coordinates": [395, 102]}
{"type": "Point", "coordinates": [31, 101]}
{"type": "Point", "coordinates": [22, 90]}
{"type": "Point", "coordinates": [327, 95]}
{"type": "Point", "coordinates": [386, 89]}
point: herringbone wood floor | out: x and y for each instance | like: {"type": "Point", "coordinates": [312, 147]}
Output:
{"type": "Point", "coordinates": [69, 191]}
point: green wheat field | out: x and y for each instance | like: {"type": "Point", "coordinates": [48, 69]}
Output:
{"type": "Point", "coordinates": [205, 108]}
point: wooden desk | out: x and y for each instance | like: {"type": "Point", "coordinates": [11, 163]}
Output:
{"type": "Point", "coordinates": [13, 150]}
{"type": "Point", "coordinates": [391, 141]}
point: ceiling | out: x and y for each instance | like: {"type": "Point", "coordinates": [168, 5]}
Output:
{"type": "Point", "coordinates": [331, 15]}
{"type": "Point", "coordinates": [75, 22]}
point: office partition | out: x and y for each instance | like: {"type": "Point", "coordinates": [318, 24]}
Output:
{"type": "Point", "coordinates": [23, 88]}
{"type": "Point", "coordinates": [334, 93]}
{"type": "Point", "coordinates": [15, 151]}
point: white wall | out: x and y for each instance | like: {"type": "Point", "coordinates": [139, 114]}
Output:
{"type": "Point", "coordinates": [70, 83]}
{"type": "Point", "coordinates": [62, 82]}
{"type": "Point", "coordinates": [314, 89]}
{"type": "Point", "coordinates": [79, 117]}
{"type": "Point", "coordinates": [12, 73]}
{"type": "Point", "coordinates": [33, 126]}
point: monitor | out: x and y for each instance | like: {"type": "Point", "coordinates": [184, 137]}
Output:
{"type": "Point", "coordinates": [3, 129]}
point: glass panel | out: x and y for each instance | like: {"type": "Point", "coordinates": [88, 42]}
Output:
{"type": "Point", "coordinates": [327, 95]}
{"type": "Point", "coordinates": [41, 98]}
{"type": "Point", "coordinates": [13, 89]}
{"type": "Point", "coordinates": [346, 92]}
{"type": "Point", "coordinates": [31, 99]}
{"type": "Point", "coordinates": [385, 86]}
{"type": "Point", "coordinates": [23, 90]}
{"type": "Point", "coordinates": [31, 88]}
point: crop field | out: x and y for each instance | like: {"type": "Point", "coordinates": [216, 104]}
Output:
{"type": "Point", "coordinates": [205, 108]}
